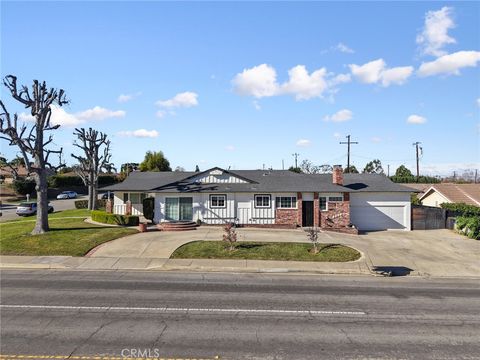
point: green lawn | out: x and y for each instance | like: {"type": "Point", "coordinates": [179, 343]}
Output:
{"type": "Point", "coordinates": [66, 236]}
{"type": "Point", "coordinates": [265, 251]}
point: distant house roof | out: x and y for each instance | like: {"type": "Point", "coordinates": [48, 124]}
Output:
{"type": "Point", "coordinates": [419, 188]}
{"type": "Point", "coordinates": [255, 181]}
{"type": "Point", "coordinates": [457, 193]}
{"type": "Point", "coordinates": [7, 172]}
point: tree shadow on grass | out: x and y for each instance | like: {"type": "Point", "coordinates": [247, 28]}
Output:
{"type": "Point", "coordinates": [248, 246]}
{"type": "Point", "coordinates": [330, 246]}
{"type": "Point", "coordinates": [76, 228]}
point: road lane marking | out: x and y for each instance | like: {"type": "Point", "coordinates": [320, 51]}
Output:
{"type": "Point", "coordinates": [187, 310]}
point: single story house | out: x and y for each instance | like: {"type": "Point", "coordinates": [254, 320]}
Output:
{"type": "Point", "coordinates": [270, 198]}
{"type": "Point", "coordinates": [451, 193]}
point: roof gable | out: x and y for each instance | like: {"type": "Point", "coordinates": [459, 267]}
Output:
{"type": "Point", "coordinates": [218, 175]}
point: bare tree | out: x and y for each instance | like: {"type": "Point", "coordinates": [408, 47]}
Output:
{"type": "Point", "coordinates": [312, 234]}
{"type": "Point", "coordinates": [31, 140]}
{"type": "Point", "coordinates": [92, 161]}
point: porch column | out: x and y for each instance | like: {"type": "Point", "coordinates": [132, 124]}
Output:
{"type": "Point", "coordinates": [316, 210]}
{"type": "Point", "coordinates": [299, 208]}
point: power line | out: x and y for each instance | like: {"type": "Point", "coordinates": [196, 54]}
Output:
{"type": "Point", "coordinates": [348, 153]}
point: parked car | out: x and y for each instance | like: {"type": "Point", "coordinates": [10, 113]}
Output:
{"type": "Point", "coordinates": [105, 195]}
{"type": "Point", "coordinates": [30, 208]}
{"type": "Point", "coordinates": [67, 195]}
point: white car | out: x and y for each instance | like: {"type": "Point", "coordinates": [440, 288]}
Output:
{"type": "Point", "coordinates": [30, 208]}
{"type": "Point", "coordinates": [67, 195]}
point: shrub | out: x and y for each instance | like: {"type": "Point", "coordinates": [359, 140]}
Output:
{"type": "Point", "coordinates": [23, 187]}
{"type": "Point", "coordinates": [83, 204]}
{"type": "Point", "coordinates": [230, 236]}
{"type": "Point", "coordinates": [149, 208]}
{"type": "Point", "coordinates": [104, 180]}
{"type": "Point", "coordinates": [61, 181]}
{"type": "Point", "coordinates": [462, 209]}
{"type": "Point", "coordinates": [469, 226]}
{"type": "Point", "coordinates": [103, 217]}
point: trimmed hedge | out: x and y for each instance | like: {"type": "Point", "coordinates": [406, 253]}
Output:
{"type": "Point", "coordinates": [149, 208]}
{"type": "Point", "coordinates": [62, 181]}
{"type": "Point", "coordinates": [23, 186]}
{"type": "Point", "coordinates": [469, 226]}
{"type": "Point", "coordinates": [462, 209]}
{"type": "Point", "coordinates": [83, 204]}
{"type": "Point", "coordinates": [103, 217]}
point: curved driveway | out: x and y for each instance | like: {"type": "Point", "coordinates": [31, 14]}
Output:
{"type": "Point", "coordinates": [428, 253]}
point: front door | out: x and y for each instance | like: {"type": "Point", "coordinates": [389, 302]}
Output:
{"type": "Point", "coordinates": [307, 213]}
{"type": "Point", "coordinates": [186, 209]}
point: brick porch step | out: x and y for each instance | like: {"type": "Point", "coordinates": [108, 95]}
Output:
{"type": "Point", "coordinates": [177, 226]}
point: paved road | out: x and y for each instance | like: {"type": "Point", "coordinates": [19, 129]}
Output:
{"type": "Point", "coordinates": [237, 316]}
{"type": "Point", "coordinates": [8, 210]}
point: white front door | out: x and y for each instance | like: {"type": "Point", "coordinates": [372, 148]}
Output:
{"type": "Point", "coordinates": [243, 214]}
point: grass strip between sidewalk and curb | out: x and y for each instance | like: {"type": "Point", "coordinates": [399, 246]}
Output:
{"type": "Point", "coordinates": [265, 251]}
{"type": "Point", "coordinates": [69, 235]}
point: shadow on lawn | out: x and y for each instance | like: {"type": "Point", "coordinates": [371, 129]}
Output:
{"type": "Point", "coordinates": [249, 246]}
{"type": "Point", "coordinates": [77, 228]}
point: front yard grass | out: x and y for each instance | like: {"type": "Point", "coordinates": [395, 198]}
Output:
{"type": "Point", "coordinates": [72, 237]}
{"type": "Point", "coordinates": [265, 251]}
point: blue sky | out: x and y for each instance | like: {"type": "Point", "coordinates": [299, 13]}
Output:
{"type": "Point", "coordinates": [243, 85]}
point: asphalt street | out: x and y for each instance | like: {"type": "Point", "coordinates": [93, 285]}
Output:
{"type": "Point", "coordinates": [8, 210]}
{"type": "Point", "coordinates": [237, 316]}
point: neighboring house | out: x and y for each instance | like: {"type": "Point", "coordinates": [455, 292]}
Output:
{"type": "Point", "coordinates": [418, 188]}
{"type": "Point", "coordinates": [451, 193]}
{"type": "Point", "coordinates": [271, 198]}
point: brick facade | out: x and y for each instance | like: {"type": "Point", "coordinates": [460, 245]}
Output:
{"type": "Point", "coordinates": [286, 217]}
{"type": "Point", "coordinates": [299, 209]}
{"type": "Point", "coordinates": [316, 210]}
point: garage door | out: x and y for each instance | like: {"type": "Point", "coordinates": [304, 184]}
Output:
{"type": "Point", "coordinates": [378, 217]}
{"type": "Point", "coordinates": [378, 212]}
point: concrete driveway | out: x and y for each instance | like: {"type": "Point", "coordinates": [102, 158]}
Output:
{"type": "Point", "coordinates": [425, 253]}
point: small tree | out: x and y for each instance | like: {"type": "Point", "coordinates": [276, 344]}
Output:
{"type": "Point", "coordinates": [155, 161]}
{"type": "Point", "coordinates": [197, 169]}
{"type": "Point", "coordinates": [350, 170]}
{"type": "Point", "coordinates": [403, 172]}
{"type": "Point", "coordinates": [312, 234]}
{"type": "Point", "coordinates": [149, 208]}
{"type": "Point", "coordinates": [325, 169]}
{"type": "Point", "coordinates": [31, 141]}
{"type": "Point", "coordinates": [230, 236]}
{"type": "Point", "coordinates": [373, 167]}
{"type": "Point", "coordinates": [295, 169]}
{"type": "Point", "coordinates": [93, 160]}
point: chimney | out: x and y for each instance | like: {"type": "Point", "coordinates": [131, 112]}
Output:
{"type": "Point", "coordinates": [337, 174]}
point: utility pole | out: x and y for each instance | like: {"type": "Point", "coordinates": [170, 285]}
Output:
{"type": "Point", "coordinates": [296, 155]}
{"type": "Point", "coordinates": [476, 171]}
{"type": "Point", "coordinates": [348, 153]}
{"type": "Point", "coordinates": [283, 165]}
{"type": "Point", "coordinates": [416, 154]}
{"type": "Point", "coordinates": [388, 170]}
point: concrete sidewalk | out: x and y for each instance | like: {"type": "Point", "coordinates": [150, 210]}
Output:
{"type": "Point", "coordinates": [358, 267]}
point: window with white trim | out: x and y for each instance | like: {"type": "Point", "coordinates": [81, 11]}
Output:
{"type": "Point", "coordinates": [286, 202]}
{"type": "Point", "coordinates": [135, 198]}
{"type": "Point", "coordinates": [262, 201]}
{"type": "Point", "coordinates": [218, 201]}
{"type": "Point", "coordinates": [324, 200]}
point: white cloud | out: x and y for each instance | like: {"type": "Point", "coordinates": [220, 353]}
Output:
{"type": "Point", "coordinates": [256, 105]}
{"type": "Point", "coordinates": [261, 81]}
{"type": "Point", "coordinates": [258, 81]}
{"type": "Point", "coordinates": [337, 135]}
{"type": "Point", "coordinates": [140, 133]}
{"type": "Point", "coordinates": [339, 116]}
{"type": "Point", "coordinates": [376, 139]}
{"type": "Point", "coordinates": [339, 79]}
{"type": "Point", "coordinates": [304, 86]}
{"type": "Point", "coordinates": [99, 113]}
{"type": "Point", "coordinates": [447, 168]}
{"type": "Point", "coordinates": [376, 71]}
{"type": "Point", "coordinates": [416, 119]}
{"type": "Point", "coordinates": [478, 101]}
{"type": "Point", "coordinates": [61, 117]}
{"type": "Point", "coordinates": [123, 98]}
{"type": "Point", "coordinates": [343, 48]}
{"type": "Point", "coordinates": [450, 64]}
{"type": "Point", "coordinates": [396, 76]}
{"type": "Point", "coordinates": [230, 148]}
{"type": "Point", "coordinates": [303, 142]}
{"type": "Point", "coordinates": [160, 113]}
{"type": "Point", "coordinates": [434, 35]}
{"type": "Point", "coordinates": [26, 117]}
{"type": "Point", "coordinates": [182, 100]}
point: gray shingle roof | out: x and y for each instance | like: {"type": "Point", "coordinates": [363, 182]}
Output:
{"type": "Point", "coordinates": [261, 181]}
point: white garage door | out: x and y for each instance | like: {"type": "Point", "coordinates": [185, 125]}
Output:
{"type": "Point", "coordinates": [374, 212]}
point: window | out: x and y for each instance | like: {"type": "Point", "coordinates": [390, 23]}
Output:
{"type": "Point", "coordinates": [262, 201]}
{"type": "Point", "coordinates": [218, 201]}
{"type": "Point", "coordinates": [135, 198]}
{"type": "Point", "coordinates": [286, 202]}
{"type": "Point", "coordinates": [325, 199]}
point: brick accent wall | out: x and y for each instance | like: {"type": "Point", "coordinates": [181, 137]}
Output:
{"type": "Point", "coordinates": [316, 210]}
{"type": "Point", "coordinates": [128, 208]}
{"type": "Point", "coordinates": [338, 214]}
{"type": "Point", "coordinates": [299, 208]}
{"type": "Point", "coordinates": [286, 217]}
{"type": "Point", "coordinates": [109, 206]}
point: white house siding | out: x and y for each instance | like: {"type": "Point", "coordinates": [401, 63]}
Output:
{"type": "Point", "coordinates": [218, 177]}
{"type": "Point", "coordinates": [434, 199]}
{"type": "Point", "coordinates": [119, 207]}
{"type": "Point", "coordinates": [380, 211]}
